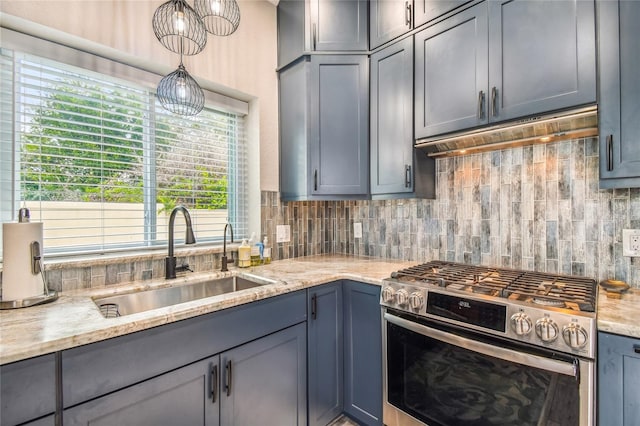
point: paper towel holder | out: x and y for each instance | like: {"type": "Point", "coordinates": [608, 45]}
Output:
{"type": "Point", "coordinates": [36, 268]}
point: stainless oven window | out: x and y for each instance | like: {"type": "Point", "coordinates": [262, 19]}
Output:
{"type": "Point", "coordinates": [443, 384]}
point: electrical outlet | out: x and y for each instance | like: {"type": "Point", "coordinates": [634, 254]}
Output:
{"type": "Point", "coordinates": [357, 229]}
{"type": "Point", "coordinates": [283, 233]}
{"type": "Point", "coordinates": [631, 242]}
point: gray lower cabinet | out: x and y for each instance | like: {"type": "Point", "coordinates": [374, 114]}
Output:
{"type": "Point", "coordinates": [28, 391]}
{"type": "Point", "coordinates": [396, 170]}
{"type": "Point", "coordinates": [182, 397]}
{"type": "Point", "coordinates": [306, 26]}
{"type": "Point", "coordinates": [618, 380]}
{"type": "Point", "coordinates": [619, 91]}
{"type": "Point", "coordinates": [324, 331]}
{"type": "Point", "coordinates": [362, 352]}
{"type": "Point", "coordinates": [324, 128]}
{"type": "Point", "coordinates": [502, 60]}
{"type": "Point", "coordinates": [264, 381]}
{"type": "Point", "coordinates": [258, 383]}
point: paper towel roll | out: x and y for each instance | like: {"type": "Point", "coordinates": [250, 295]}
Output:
{"type": "Point", "coordinates": [18, 283]}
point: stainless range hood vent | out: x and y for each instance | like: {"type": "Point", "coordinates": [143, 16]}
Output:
{"type": "Point", "coordinates": [577, 123]}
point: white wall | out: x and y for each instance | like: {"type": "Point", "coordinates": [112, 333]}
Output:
{"type": "Point", "coordinates": [242, 64]}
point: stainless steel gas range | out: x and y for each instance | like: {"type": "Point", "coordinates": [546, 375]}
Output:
{"type": "Point", "coordinates": [473, 345]}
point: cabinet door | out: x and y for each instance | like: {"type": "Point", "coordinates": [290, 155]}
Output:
{"type": "Point", "coordinates": [428, 10]}
{"type": "Point", "coordinates": [618, 380]}
{"type": "Point", "coordinates": [391, 119]}
{"type": "Point", "coordinates": [619, 92]}
{"type": "Point", "coordinates": [293, 38]}
{"type": "Point", "coordinates": [338, 25]}
{"type": "Point", "coordinates": [339, 132]}
{"type": "Point", "coordinates": [325, 346]}
{"type": "Point", "coordinates": [363, 352]}
{"type": "Point", "coordinates": [186, 396]}
{"type": "Point", "coordinates": [388, 19]}
{"type": "Point", "coordinates": [541, 56]}
{"type": "Point", "coordinates": [27, 389]}
{"type": "Point", "coordinates": [451, 74]}
{"type": "Point", "coordinates": [264, 381]}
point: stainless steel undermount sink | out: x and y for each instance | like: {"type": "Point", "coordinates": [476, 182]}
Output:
{"type": "Point", "coordinates": [131, 303]}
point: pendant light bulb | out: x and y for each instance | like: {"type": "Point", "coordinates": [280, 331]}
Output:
{"type": "Point", "coordinates": [179, 93]}
{"type": "Point", "coordinates": [179, 28]}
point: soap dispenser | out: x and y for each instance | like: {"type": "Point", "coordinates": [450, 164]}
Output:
{"type": "Point", "coordinates": [244, 254]}
{"type": "Point", "coordinates": [266, 251]}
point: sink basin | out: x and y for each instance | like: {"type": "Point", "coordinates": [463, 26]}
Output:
{"type": "Point", "coordinates": [131, 303]}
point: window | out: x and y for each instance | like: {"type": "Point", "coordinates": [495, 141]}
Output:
{"type": "Point", "coordinates": [102, 164]}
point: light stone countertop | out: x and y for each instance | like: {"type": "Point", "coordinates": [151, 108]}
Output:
{"type": "Point", "coordinates": [74, 319]}
{"type": "Point", "coordinates": [620, 316]}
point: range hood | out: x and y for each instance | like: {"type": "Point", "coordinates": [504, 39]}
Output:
{"type": "Point", "coordinates": [553, 127]}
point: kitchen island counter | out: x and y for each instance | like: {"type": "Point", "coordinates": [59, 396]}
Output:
{"type": "Point", "coordinates": [74, 320]}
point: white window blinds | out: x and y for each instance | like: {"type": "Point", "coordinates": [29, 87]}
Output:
{"type": "Point", "coordinates": [101, 164]}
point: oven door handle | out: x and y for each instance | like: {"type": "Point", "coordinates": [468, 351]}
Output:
{"type": "Point", "coordinates": [543, 363]}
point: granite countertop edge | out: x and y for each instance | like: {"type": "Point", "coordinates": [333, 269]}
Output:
{"type": "Point", "coordinates": [74, 320]}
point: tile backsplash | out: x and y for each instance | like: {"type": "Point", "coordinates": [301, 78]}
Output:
{"type": "Point", "coordinates": [535, 208]}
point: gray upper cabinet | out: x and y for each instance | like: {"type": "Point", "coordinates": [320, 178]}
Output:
{"type": "Point", "coordinates": [389, 19]}
{"type": "Point", "coordinates": [618, 378]}
{"type": "Point", "coordinates": [306, 26]}
{"type": "Point", "coordinates": [619, 92]}
{"type": "Point", "coordinates": [541, 56]}
{"type": "Point", "coordinates": [392, 119]}
{"type": "Point", "coordinates": [324, 128]}
{"type": "Point", "coordinates": [451, 73]}
{"type": "Point", "coordinates": [501, 61]}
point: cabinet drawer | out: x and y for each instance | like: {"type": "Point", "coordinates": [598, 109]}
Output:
{"type": "Point", "coordinates": [93, 370]}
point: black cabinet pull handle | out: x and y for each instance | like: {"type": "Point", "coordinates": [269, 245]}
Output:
{"type": "Point", "coordinates": [407, 176]}
{"type": "Point", "coordinates": [315, 180]}
{"type": "Point", "coordinates": [228, 384]}
{"type": "Point", "coordinates": [214, 383]}
{"type": "Point", "coordinates": [314, 37]}
{"type": "Point", "coordinates": [494, 101]}
{"type": "Point", "coordinates": [609, 153]}
{"type": "Point", "coordinates": [314, 306]}
{"type": "Point", "coordinates": [481, 105]}
{"type": "Point", "coordinates": [636, 349]}
{"type": "Point", "coordinates": [407, 6]}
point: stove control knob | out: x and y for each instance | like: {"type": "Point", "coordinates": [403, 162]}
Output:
{"type": "Point", "coordinates": [575, 336]}
{"type": "Point", "coordinates": [388, 294]}
{"type": "Point", "coordinates": [416, 300]}
{"type": "Point", "coordinates": [546, 329]}
{"type": "Point", "coordinates": [521, 323]}
{"type": "Point", "coordinates": [402, 297]}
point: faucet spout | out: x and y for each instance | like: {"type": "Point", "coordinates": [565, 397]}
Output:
{"type": "Point", "coordinates": [226, 261]}
{"type": "Point", "coordinates": [170, 260]}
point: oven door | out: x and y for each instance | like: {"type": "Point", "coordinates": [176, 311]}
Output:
{"type": "Point", "coordinates": [436, 374]}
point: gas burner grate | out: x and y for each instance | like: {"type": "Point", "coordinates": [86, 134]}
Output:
{"type": "Point", "coordinates": [577, 293]}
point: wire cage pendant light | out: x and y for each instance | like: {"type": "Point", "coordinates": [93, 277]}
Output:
{"type": "Point", "coordinates": [220, 17]}
{"type": "Point", "coordinates": [179, 28]}
{"type": "Point", "coordinates": [178, 92]}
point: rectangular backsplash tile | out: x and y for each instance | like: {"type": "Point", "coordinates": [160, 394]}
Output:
{"type": "Point", "coordinates": [536, 208]}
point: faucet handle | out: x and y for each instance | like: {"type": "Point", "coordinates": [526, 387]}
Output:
{"type": "Point", "coordinates": [183, 268]}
